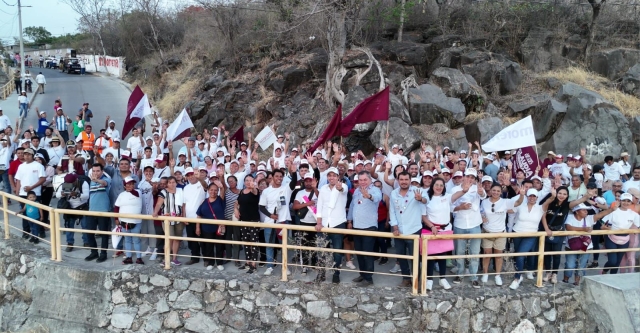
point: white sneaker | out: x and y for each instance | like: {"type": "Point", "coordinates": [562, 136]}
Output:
{"type": "Point", "coordinates": [350, 265]}
{"type": "Point", "coordinates": [148, 252]}
{"type": "Point", "coordinates": [154, 255]}
{"type": "Point", "coordinates": [515, 284]}
{"type": "Point", "coordinates": [429, 285]}
{"type": "Point", "coordinates": [220, 268]}
{"type": "Point", "coordinates": [395, 269]}
{"type": "Point", "coordinates": [498, 280]}
{"type": "Point", "coordinates": [209, 267]}
{"type": "Point", "coordinates": [288, 272]}
{"type": "Point", "coordinates": [485, 278]}
{"type": "Point", "coordinates": [269, 271]}
{"type": "Point", "coordinates": [444, 284]}
{"type": "Point", "coordinates": [530, 276]}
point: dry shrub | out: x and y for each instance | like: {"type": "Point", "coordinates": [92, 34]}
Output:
{"type": "Point", "coordinates": [510, 120]}
{"type": "Point", "coordinates": [475, 116]}
{"type": "Point", "coordinates": [629, 105]}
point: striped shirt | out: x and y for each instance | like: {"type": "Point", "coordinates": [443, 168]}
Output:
{"type": "Point", "coordinates": [230, 199]}
{"type": "Point", "coordinates": [61, 123]}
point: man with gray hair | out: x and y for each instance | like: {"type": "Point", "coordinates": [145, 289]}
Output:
{"type": "Point", "coordinates": [363, 215]}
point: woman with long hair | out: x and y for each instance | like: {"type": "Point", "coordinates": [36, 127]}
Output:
{"type": "Point", "coordinates": [171, 202]}
{"type": "Point", "coordinates": [212, 208]}
{"type": "Point", "coordinates": [623, 219]}
{"type": "Point", "coordinates": [247, 209]}
{"type": "Point", "coordinates": [438, 218]}
{"type": "Point", "coordinates": [494, 214]}
{"type": "Point", "coordinates": [554, 220]}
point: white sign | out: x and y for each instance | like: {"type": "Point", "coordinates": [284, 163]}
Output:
{"type": "Point", "coordinates": [516, 136]}
{"type": "Point", "coordinates": [266, 138]}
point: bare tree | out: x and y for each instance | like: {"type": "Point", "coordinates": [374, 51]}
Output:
{"type": "Point", "coordinates": [92, 14]}
{"type": "Point", "coordinates": [596, 7]}
{"type": "Point", "coordinates": [336, 46]}
{"type": "Point", "coordinates": [403, 5]}
{"type": "Point", "coordinates": [150, 8]}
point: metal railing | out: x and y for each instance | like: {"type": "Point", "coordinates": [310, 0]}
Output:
{"type": "Point", "coordinates": [8, 88]}
{"type": "Point", "coordinates": [418, 262]}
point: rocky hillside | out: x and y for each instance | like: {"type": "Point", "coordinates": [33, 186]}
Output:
{"type": "Point", "coordinates": [446, 89]}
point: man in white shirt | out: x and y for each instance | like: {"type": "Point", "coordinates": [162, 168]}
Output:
{"type": "Point", "coordinates": [5, 159]}
{"type": "Point", "coordinates": [612, 171]}
{"type": "Point", "coordinates": [29, 177]}
{"type": "Point", "coordinates": [195, 190]}
{"type": "Point", "coordinates": [111, 130]}
{"type": "Point", "coordinates": [190, 151]}
{"type": "Point", "coordinates": [305, 201]}
{"type": "Point", "coordinates": [634, 182]}
{"type": "Point", "coordinates": [135, 144]}
{"type": "Point", "coordinates": [332, 200]}
{"type": "Point", "coordinates": [624, 163]}
{"type": "Point", "coordinates": [4, 121]}
{"type": "Point", "coordinates": [41, 81]}
{"type": "Point", "coordinates": [161, 169]}
{"type": "Point", "coordinates": [560, 168]}
{"type": "Point", "coordinates": [467, 220]}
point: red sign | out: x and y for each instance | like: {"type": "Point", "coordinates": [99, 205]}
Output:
{"type": "Point", "coordinates": [525, 159]}
{"type": "Point", "coordinates": [108, 62]}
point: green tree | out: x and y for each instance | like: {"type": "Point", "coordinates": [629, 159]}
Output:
{"type": "Point", "coordinates": [39, 35]}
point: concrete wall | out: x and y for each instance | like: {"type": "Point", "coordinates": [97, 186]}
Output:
{"type": "Point", "coordinates": [37, 295]}
{"type": "Point", "coordinates": [112, 65]}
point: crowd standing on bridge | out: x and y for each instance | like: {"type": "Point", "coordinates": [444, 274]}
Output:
{"type": "Point", "coordinates": [429, 191]}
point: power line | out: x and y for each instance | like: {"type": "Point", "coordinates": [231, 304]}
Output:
{"type": "Point", "coordinates": [9, 4]}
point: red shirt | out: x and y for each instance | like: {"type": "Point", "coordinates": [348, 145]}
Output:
{"type": "Point", "coordinates": [13, 167]}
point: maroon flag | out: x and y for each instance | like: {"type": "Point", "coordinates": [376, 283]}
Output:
{"type": "Point", "coordinates": [137, 108]}
{"type": "Point", "coordinates": [373, 108]}
{"type": "Point", "coordinates": [525, 159]}
{"type": "Point", "coordinates": [238, 135]}
{"type": "Point", "coordinates": [333, 129]}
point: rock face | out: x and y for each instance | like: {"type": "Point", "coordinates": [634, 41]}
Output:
{"type": "Point", "coordinates": [631, 81]}
{"type": "Point", "coordinates": [613, 64]}
{"type": "Point", "coordinates": [456, 84]}
{"type": "Point", "coordinates": [429, 105]}
{"type": "Point", "coordinates": [590, 121]}
{"type": "Point", "coordinates": [543, 51]}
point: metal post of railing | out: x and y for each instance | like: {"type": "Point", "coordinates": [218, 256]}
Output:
{"type": "Point", "coordinates": [5, 205]}
{"type": "Point", "coordinates": [54, 238]}
{"type": "Point", "coordinates": [415, 272]}
{"type": "Point", "coordinates": [540, 261]}
{"type": "Point", "coordinates": [167, 244]}
{"type": "Point", "coordinates": [56, 230]}
{"type": "Point", "coordinates": [285, 255]}
{"type": "Point", "coordinates": [423, 271]}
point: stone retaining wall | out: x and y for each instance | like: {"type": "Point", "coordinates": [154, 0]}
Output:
{"type": "Point", "coordinates": [37, 295]}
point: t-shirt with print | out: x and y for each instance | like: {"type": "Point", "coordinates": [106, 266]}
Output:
{"type": "Point", "coordinates": [496, 213]}
{"type": "Point", "coordinates": [32, 212]}
{"type": "Point", "coordinates": [309, 218]}
{"type": "Point", "coordinates": [273, 198]}
{"type": "Point", "coordinates": [29, 174]}
{"type": "Point", "coordinates": [622, 219]}
{"type": "Point", "coordinates": [438, 210]}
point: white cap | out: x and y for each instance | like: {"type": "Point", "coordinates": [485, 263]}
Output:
{"type": "Point", "coordinates": [415, 180]}
{"type": "Point", "coordinates": [475, 152]}
{"type": "Point", "coordinates": [368, 162]}
{"type": "Point", "coordinates": [42, 112]}
{"type": "Point", "coordinates": [308, 175]}
{"type": "Point", "coordinates": [602, 201]}
{"type": "Point", "coordinates": [536, 178]}
{"type": "Point", "coordinates": [128, 179]}
{"type": "Point", "coordinates": [489, 157]}
{"type": "Point", "coordinates": [202, 168]}
{"type": "Point", "coordinates": [582, 206]}
{"type": "Point", "coordinates": [355, 178]}
{"type": "Point", "coordinates": [532, 191]}
{"type": "Point", "coordinates": [182, 153]}
{"type": "Point", "coordinates": [359, 163]}
{"type": "Point", "coordinates": [350, 167]}
{"type": "Point", "coordinates": [261, 168]}
{"type": "Point", "coordinates": [234, 161]}
{"type": "Point", "coordinates": [427, 173]}
{"type": "Point", "coordinates": [463, 151]}
{"type": "Point", "coordinates": [394, 146]}
{"type": "Point", "coordinates": [148, 138]}
{"type": "Point", "coordinates": [188, 171]}
{"type": "Point", "coordinates": [486, 179]}
{"type": "Point", "coordinates": [457, 174]}
{"type": "Point", "coordinates": [625, 154]}
{"type": "Point", "coordinates": [445, 170]}
{"type": "Point", "coordinates": [294, 149]}
{"type": "Point", "coordinates": [625, 196]}
{"type": "Point", "coordinates": [334, 170]}
{"type": "Point", "coordinates": [304, 161]}
{"type": "Point", "coordinates": [471, 172]}
{"type": "Point", "coordinates": [111, 122]}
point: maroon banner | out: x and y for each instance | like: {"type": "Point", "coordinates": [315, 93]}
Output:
{"type": "Point", "coordinates": [525, 159]}
{"type": "Point", "coordinates": [372, 108]}
{"type": "Point", "coordinates": [333, 129]}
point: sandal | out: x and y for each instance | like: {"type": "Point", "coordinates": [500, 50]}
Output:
{"type": "Point", "coordinates": [576, 281]}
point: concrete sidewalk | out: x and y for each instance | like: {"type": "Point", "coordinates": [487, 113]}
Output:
{"type": "Point", "coordinates": [11, 108]}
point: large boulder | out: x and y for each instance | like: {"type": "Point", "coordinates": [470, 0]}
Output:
{"type": "Point", "coordinates": [405, 53]}
{"type": "Point", "coordinates": [288, 78]}
{"type": "Point", "coordinates": [429, 105]}
{"type": "Point", "coordinates": [352, 99]}
{"type": "Point", "coordinates": [492, 70]}
{"type": "Point", "coordinates": [591, 121]}
{"type": "Point", "coordinates": [399, 132]}
{"type": "Point", "coordinates": [456, 84]}
{"type": "Point", "coordinates": [631, 81]}
{"type": "Point", "coordinates": [483, 129]}
{"type": "Point", "coordinates": [456, 139]}
{"type": "Point", "coordinates": [528, 103]}
{"type": "Point", "coordinates": [542, 51]}
{"type": "Point", "coordinates": [613, 64]}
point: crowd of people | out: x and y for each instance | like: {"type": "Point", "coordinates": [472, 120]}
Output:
{"type": "Point", "coordinates": [429, 191]}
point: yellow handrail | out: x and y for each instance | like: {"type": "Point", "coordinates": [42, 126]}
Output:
{"type": "Point", "coordinates": [419, 262]}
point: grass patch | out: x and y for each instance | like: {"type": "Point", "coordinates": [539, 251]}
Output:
{"type": "Point", "coordinates": [629, 105]}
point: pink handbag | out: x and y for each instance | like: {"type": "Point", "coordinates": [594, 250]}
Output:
{"type": "Point", "coordinates": [436, 246]}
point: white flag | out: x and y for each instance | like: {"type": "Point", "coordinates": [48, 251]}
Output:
{"type": "Point", "coordinates": [266, 138]}
{"type": "Point", "coordinates": [180, 128]}
{"type": "Point", "coordinates": [518, 135]}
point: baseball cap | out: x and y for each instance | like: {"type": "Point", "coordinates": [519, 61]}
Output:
{"type": "Point", "coordinates": [486, 179]}
{"type": "Point", "coordinates": [536, 178]}
{"type": "Point", "coordinates": [394, 146]}
{"type": "Point", "coordinates": [333, 170]}
{"type": "Point", "coordinates": [427, 173]}
{"type": "Point", "coordinates": [128, 179]}
{"type": "Point", "coordinates": [507, 152]}
{"type": "Point", "coordinates": [244, 143]}
{"type": "Point", "coordinates": [111, 122]}
{"type": "Point", "coordinates": [489, 157]}
{"type": "Point", "coordinates": [579, 207]}
{"type": "Point", "coordinates": [559, 156]}
{"type": "Point", "coordinates": [161, 158]}
{"type": "Point", "coordinates": [70, 178]}
{"type": "Point", "coordinates": [42, 112]}
{"type": "Point", "coordinates": [38, 155]}
{"type": "Point", "coordinates": [463, 151]}
{"type": "Point", "coordinates": [457, 174]}
{"type": "Point", "coordinates": [626, 196]}
{"type": "Point", "coordinates": [624, 154]}
{"type": "Point", "coordinates": [147, 165]}
{"type": "Point", "coordinates": [532, 192]}
{"type": "Point", "coordinates": [308, 175]}
{"type": "Point", "coordinates": [148, 138]}
{"type": "Point", "coordinates": [445, 170]}
{"type": "Point", "coordinates": [415, 180]}
{"type": "Point", "coordinates": [28, 151]}
{"type": "Point", "coordinates": [71, 143]}
{"type": "Point", "coordinates": [202, 168]}
{"type": "Point", "coordinates": [592, 185]}
{"type": "Point", "coordinates": [116, 140]}
{"type": "Point", "coordinates": [188, 171]}
{"type": "Point", "coordinates": [350, 167]}
{"type": "Point", "coordinates": [280, 136]}
{"type": "Point", "coordinates": [471, 172]}
{"type": "Point", "coordinates": [551, 153]}
{"type": "Point", "coordinates": [359, 163]}
{"type": "Point", "coordinates": [235, 161]}
{"type": "Point", "coordinates": [182, 153]}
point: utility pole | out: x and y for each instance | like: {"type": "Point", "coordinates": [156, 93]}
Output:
{"type": "Point", "coordinates": [21, 45]}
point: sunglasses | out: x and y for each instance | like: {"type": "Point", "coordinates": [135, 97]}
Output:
{"type": "Point", "coordinates": [492, 207]}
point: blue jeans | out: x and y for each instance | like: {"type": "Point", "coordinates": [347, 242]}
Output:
{"type": "Point", "coordinates": [613, 259]}
{"type": "Point", "coordinates": [71, 235]}
{"type": "Point", "coordinates": [570, 264]}
{"type": "Point", "coordinates": [35, 229]}
{"type": "Point", "coordinates": [474, 248]}
{"type": "Point", "coordinates": [365, 263]}
{"type": "Point", "coordinates": [271, 237]}
{"type": "Point", "coordinates": [337, 243]}
{"type": "Point", "coordinates": [132, 241]}
{"type": "Point", "coordinates": [381, 242]}
{"type": "Point", "coordinates": [23, 108]}
{"type": "Point", "coordinates": [524, 245]}
{"type": "Point", "coordinates": [405, 247]}
{"type": "Point", "coordinates": [5, 181]}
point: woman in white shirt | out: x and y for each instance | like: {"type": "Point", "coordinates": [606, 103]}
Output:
{"type": "Point", "coordinates": [494, 214]}
{"type": "Point", "coordinates": [528, 220]}
{"type": "Point", "coordinates": [130, 202]}
{"type": "Point", "coordinates": [438, 218]}
{"type": "Point", "coordinates": [621, 219]}
{"type": "Point", "coordinates": [171, 203]}
{"type": "Point", "coordinates": [580, 220]}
